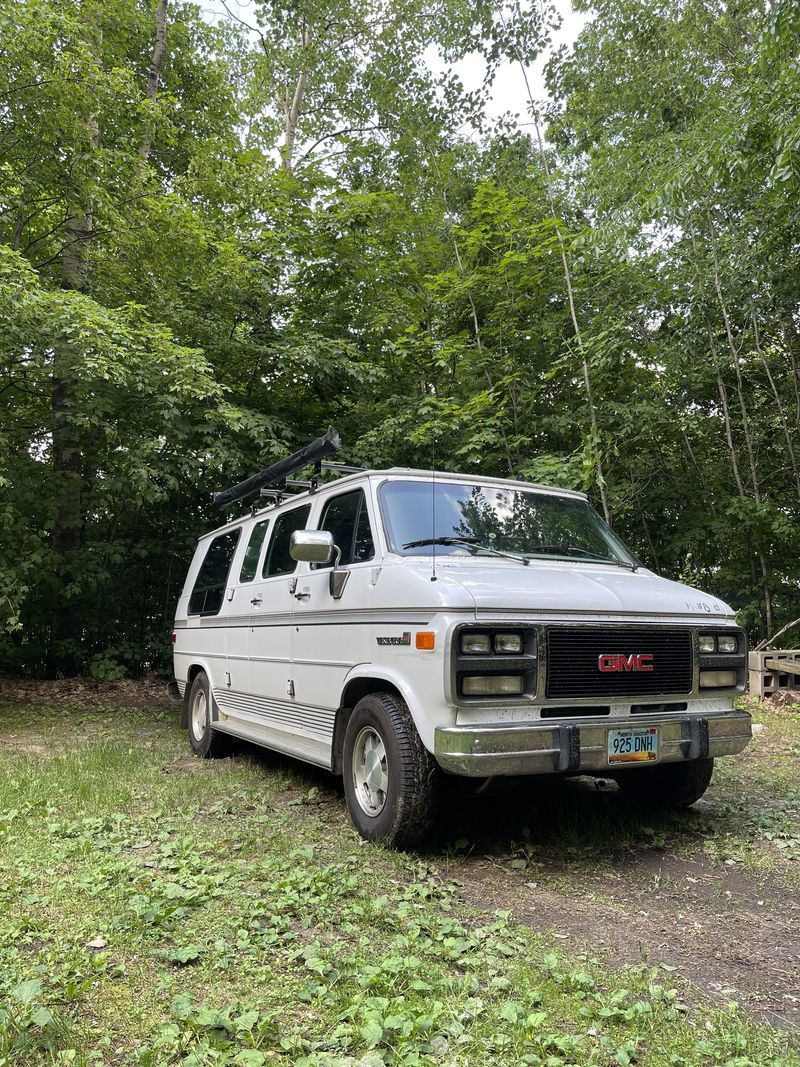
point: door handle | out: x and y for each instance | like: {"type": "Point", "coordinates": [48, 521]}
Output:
{"type": "Point", "coordinates": [304, 594]}
{"type": "Point", "coordinates": [256, 599]}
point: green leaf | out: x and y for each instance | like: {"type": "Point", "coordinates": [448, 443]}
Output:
{"type": "Point", "coordinates": [372, 1032]}
{"type": "Point", "coordinates": [185, 954]}
{"type": "Point", "coordinates": [26, 992]}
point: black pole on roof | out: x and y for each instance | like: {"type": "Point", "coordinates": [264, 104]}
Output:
{"type": "Point", "coordinates": [310, 453]}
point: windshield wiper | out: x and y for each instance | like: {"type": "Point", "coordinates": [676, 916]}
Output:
{"type": "Point", "coordinates": [585, 553]}
{"type": "Point", "coordinates": [468, 542]}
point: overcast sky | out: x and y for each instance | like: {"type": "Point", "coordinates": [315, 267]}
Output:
{"type": "Point", "coordinates": [509, 88]}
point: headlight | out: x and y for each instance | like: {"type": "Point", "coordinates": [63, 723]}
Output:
{"type": "Point", "coordinates": [475, 644]}
{"type": "Point", "coordinates": [707, 642]}
{"type": "Point", "coordinates": [474, 685]}
{"type": "Point", "coordinates": [727, 644]}
{"type": "Point", "coordinates": [508, 643]}
{"type": "Point", "coordinates": [718, 679]}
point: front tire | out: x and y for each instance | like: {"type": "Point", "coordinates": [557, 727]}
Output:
{"type": "Point", "coordinates": [672, 785]}
{"type": "Point", "coordinates": [204, 739]}
{"type": "Point", "coordinates": [391, 781]}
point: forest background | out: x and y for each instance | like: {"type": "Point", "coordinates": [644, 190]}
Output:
{"type": "Point", "coordinates": [217, 239]}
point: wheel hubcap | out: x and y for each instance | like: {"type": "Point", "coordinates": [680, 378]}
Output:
{"type": "Point", "coordinates": [370, 775]}
{"type": "Point", "coordinates": [199, 714]}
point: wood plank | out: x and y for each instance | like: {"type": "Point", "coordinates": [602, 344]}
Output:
{"type": "Point", "coordinates": [783, 666]}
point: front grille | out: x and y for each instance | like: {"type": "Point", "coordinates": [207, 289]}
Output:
{"type": "Point", "coordinates": [573, 656]}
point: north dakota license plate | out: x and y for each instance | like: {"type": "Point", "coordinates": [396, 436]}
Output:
{"type": "Point", "coordinates": [634, 745]}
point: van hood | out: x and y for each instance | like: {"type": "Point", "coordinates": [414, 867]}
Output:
{"type": "Point", "coordinates": [584, 589]}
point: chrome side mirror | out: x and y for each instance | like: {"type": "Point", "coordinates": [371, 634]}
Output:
{"type": "Point", "coordinates": [312, 546]}
{"type": "Point", "coordinates": [317, 546]}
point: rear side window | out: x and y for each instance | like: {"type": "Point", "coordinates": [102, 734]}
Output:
{"type": "Point", "coordinates": [209, 589]}
{"type": "Point", "coordinates": [278, 560]}
{"type": "Point", "coordinates": [253, 551]}
{"type": "Point", "coordinates": [347, 519]}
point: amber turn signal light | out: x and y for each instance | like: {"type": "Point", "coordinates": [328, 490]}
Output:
{"type": "Point", "coordinates": [426, 640]}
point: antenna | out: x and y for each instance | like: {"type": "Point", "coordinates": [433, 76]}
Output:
{"type": "Point", "coordinates": [433, 504]}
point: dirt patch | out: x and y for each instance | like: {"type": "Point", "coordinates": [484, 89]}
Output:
{"type": "Point", "coordinates": [149, 691]}
{"type": "Point", "coordinates": [27, 746]}
{"type": "Point", "coordinates": [734, 944]}
{"type": "Point", "coordinates": [734, 933]}
{"type": "Point", "coordinates": [196, 765]}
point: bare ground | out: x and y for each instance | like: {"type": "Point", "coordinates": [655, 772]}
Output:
{"type": "Point", "coordinates": [733, 931]}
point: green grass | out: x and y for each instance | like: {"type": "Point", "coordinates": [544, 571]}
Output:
{"type": "Point", "coordinates": [156, 909]}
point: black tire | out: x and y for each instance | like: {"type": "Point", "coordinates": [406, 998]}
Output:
{"type": "Point", "coordinates": [398, 806]}
{"type": "Point", "coordinates": [672, 785]}
{"type": "Point", "coordinates": [204, 739]}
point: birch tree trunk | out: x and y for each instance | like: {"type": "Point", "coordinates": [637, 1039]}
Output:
{"type": "Point", "coordinates": [293, 109]}
{"type": "Point", "coordinates": [154, 72]}
{"type": "Point", "coordinates": [567, 272]}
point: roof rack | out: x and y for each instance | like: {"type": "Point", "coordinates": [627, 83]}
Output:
{"type": "Point", "coordinates": [278, 474]}
{"type": "Point", "coordinates": [342, 468]}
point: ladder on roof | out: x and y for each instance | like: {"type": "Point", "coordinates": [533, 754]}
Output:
{"type": "Point", "coordinates": [277, 476]}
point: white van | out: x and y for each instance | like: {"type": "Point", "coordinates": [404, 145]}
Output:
{"type": "Point", "coordinates": [396, 625]}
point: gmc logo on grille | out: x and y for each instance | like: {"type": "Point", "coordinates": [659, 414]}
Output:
{"type": "Point", "coordinates": [618, 662]}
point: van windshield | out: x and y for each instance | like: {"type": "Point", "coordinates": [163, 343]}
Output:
{"type": "Point", "coordinates": [486, 521]}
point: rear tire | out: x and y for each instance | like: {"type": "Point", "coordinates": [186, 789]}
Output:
{"type": "Point", "coordinates": [672, 785]}
{"type": "Point", "coordinates": [204, 739]}
{"type": "Point", "coordinates": [391, 781]}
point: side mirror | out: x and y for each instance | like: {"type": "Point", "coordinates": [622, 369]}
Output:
{"type": "Point", "coordinates": [317, 546]}
{"type": "Point", "coordinates": [312, 546]}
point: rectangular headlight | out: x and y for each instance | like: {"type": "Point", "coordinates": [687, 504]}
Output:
{"type": "Point", "coordinates": [474, 685]}
{"type": "Point", "coordinates": [707, 642]}
{"type": "Point", "coordinates": [727, 643]}
{"type": "Point", "coordinates": [508, 643]}
{"type": "Point", "coordinates": [718, 679]}
{"type": "Point", "coordinates": [475, 644]}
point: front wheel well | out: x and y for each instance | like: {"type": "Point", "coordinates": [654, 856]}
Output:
{"type": "Point", "coordinates": [353, 692]}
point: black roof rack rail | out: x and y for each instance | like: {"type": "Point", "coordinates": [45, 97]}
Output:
{"type": "Point", "coordinates": [342, 468]}
{"type": "Point", "coordinates": [280, 471]}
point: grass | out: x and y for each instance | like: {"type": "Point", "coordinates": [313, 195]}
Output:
{"type": "Point", "coordinates": [156, 909]}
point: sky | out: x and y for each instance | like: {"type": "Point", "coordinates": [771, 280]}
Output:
{"type": "Point", "coordinates": [509, 92]}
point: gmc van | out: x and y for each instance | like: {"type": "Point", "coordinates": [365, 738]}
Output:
{"type": "Point", "coordinates": [395, 626]}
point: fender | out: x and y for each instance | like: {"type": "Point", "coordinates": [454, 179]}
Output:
{"type": "Point", "coordinates": [423, 718]}
{"type": "Point", "coordinates": [203, 664]}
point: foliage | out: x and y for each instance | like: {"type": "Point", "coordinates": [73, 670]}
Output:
{"type": "Point", "coordinates": [303, 223]}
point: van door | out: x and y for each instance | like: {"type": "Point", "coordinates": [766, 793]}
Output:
{"type": "Point", "coordinates": [332, 635]}
{"type": "Point", "coordinates": [207, 610]}
{"type": "Point", "coordinates": [269, 700]}
{"type": "Point", "coordinates": [241, 605]}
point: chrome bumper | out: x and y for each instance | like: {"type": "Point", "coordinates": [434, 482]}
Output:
{"type": "Point", "coordinates": [581, 746]}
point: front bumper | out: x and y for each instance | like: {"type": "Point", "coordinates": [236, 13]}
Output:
{"type": "Point", "coordinates": [580, 747]}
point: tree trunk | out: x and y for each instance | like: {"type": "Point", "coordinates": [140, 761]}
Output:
{"type": "Point", "coordinates": [293, 108]}
{"type": "Point", "coordinates": [68, 526]}
{"type": "Point", "coordinates": [587, 380]}
{"type": "Point", "coordinates": [779, 405]}
{"type": "Point", "coordinates": [154, 71]}
{"type": "Point", "coordinates": [67, 455]}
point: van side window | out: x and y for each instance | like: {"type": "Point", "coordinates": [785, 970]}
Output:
{"type": "Point", "coordinates": [347, 519]}
{"type": "Point", "coordinates": [278, 560]}
{"type": "Point", "coordinates": [253, 551]}
{"type": "Point", "coordinates": [209, 589]}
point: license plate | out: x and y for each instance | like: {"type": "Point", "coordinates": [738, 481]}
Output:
{"type": "Point", "coordinates": [639, 744]}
